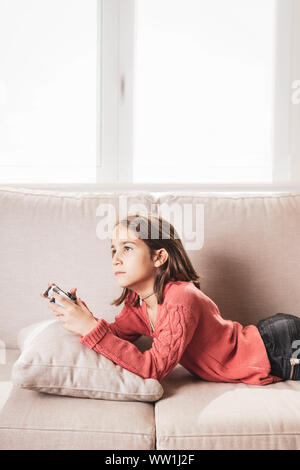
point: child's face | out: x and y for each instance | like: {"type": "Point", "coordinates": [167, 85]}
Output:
{"type": "Point", "coordinates": [131, 258]}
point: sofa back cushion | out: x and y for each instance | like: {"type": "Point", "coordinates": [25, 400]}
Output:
{"type": "Point", "coordinates": [246, 249]}
{"type": "Point", "coordinates": [54, 236]}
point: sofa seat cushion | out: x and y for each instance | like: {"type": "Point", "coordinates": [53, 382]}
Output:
{"type": "Point", "coordinates": [195, 414]}
{"type": "Point", "coordinates": [33, 420]}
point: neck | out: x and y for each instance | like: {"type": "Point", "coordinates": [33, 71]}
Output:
{"type": "Point", "coordinates": [149, 298]}
{"type": "Point", "coordinates": [145, 289]}
{"type": "Point", "coordinates": [151, 302]}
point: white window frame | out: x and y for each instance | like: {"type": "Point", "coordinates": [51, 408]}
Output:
{"type": "Point", "coordinates": [282, 157]}
{"type": "Point", "coordinates": [116, 43]}
{"type": "Point", "coordinates": [294, 109]}
{"type": "Point", "coordinates": [116, 33]}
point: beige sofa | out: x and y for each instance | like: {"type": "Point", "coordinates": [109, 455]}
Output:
{"type": "Point", "coordinates": [247, 251]}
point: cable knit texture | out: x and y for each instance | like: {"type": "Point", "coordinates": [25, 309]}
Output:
{"type": "Point", "coordinates": [189, 330]}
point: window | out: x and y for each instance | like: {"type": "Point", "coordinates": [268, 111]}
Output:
{"type": "Point", "coordinates": [204, 90]}
{"type": "Point", "coordinates": [48, 91]}
{"type": "Point", "coordinates": [182, 92]}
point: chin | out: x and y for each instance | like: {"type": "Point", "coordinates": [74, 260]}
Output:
{"type": "Point", "coordinates": [122, 283]}
{"type": "Point", "coordinates": [125, 284]}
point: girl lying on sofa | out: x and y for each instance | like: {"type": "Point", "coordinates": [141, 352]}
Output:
{"type": "Point", "coordinates": [162, 299]}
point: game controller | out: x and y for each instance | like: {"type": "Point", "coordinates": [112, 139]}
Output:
{"type": "Point", "coordinates": [57, 290]}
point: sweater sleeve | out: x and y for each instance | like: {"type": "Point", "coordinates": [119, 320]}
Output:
{"type": "Point", "coordinates": [174, 332]}
{"type": "Point", "coordinates": [124, 325]}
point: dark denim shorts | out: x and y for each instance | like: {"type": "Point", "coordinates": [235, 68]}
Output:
{"type": "Point", "coordinates": [281, 336]}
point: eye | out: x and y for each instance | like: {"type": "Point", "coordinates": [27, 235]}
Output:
{"type": "Point", "coordinates": [125, 248]}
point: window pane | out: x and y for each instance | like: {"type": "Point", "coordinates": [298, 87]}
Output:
{"type": "Point", "coordinates": [48, 72]}
{"type": "Point", "coordinates": [204, 90]}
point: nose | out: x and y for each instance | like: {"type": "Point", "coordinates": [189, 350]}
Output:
{"type": "Point", "coordinates": [116, 260]}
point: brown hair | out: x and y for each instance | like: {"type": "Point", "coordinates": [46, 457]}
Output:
{"type": "Point", "coordinates": [158, 233]}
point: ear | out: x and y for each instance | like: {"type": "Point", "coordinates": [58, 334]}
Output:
{"type": "Point", "coordinates": [160, 257]}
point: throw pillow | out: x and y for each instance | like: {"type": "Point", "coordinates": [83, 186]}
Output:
{"type": "Point", "coordinates": [54, 361]}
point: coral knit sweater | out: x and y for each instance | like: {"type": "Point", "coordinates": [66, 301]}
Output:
{"type": "Point", "coordinates": [189, 330]}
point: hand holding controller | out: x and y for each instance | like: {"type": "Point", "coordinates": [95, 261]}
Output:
{"type": "Point", "coordinates": [53, 288]}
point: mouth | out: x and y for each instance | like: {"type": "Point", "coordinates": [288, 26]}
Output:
{"type": "Point", "coordinates": [119, 272]}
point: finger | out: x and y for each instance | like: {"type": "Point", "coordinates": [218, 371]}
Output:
{"type": "Point", "coordinates": [60, 298]}
{"type": "Point", "coordinates": [42, 294]}
{"type": "Point", "coordinates": [56, 306]}
{"type": "Point", "coordinates": [73, 291]}
{"type": "Point", "coordinates": [56, 309]}
{"type": "Point", "coordinates": [58, 315]}
{"type": "Point", "coordinates": [81, 302]}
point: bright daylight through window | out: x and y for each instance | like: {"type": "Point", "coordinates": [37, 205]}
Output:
{"type": "Point", "coordinates": [204, 90]}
